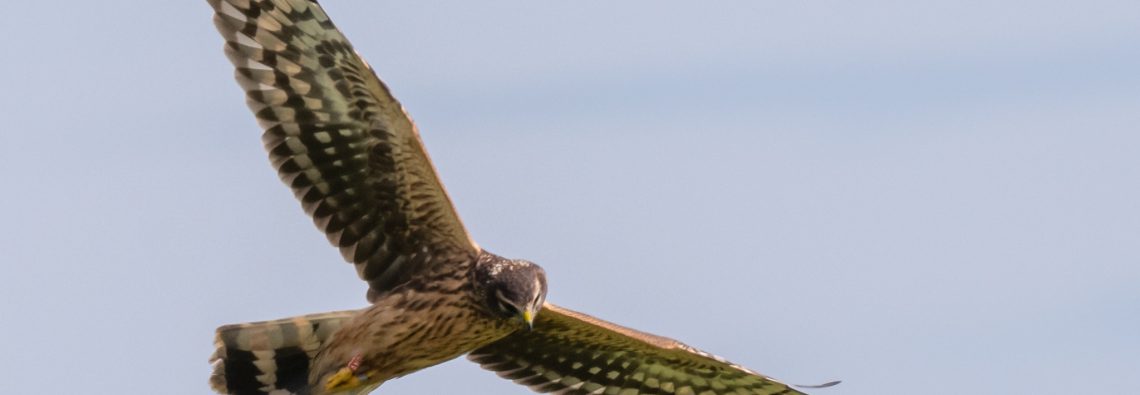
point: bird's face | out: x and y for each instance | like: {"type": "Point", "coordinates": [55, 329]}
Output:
{"type": "Point", "coordinates": [518, 291]}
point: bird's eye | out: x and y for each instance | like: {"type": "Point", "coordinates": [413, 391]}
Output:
{"type": "Point", "coordinates": [505, 305]}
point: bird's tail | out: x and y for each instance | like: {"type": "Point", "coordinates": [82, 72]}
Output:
{"type": "Point", "coordinates": [259, 358]}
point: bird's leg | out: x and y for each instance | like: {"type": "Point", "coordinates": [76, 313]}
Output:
{"type": "Point", "coordinates": [348, 377]}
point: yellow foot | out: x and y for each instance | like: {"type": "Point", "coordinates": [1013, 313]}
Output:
{"type": "Point", "coordinates": [347, 377]}
{"type": "Point", "coordinates": [344, 379]}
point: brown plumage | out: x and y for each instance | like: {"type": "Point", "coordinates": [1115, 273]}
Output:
{"type": "Point", "coordinates": [353, 157]}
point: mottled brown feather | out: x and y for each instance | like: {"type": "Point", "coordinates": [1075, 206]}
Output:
{"type": "Point", "coordinates": [338, 138]}
{"type": "Point", "coordinates": [573, 353]}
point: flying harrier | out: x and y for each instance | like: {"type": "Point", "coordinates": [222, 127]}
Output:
{"type": "Point", "coordinates": [354, 158]}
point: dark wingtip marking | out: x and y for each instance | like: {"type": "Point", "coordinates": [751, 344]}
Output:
{"type": "Point", "coordinates": [824, 385]}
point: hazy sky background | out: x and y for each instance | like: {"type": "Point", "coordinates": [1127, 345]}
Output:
{"type": "Point", "coordinates": [935, 197]}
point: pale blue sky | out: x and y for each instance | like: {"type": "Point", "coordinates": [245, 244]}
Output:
{"type": "Point", "coordinates": [932, 197]}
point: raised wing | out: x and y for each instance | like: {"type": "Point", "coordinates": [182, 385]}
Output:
{"type": "Point", "coordinates": [341, 141]}
{"type": "Point", "coordinates": [573, 353]}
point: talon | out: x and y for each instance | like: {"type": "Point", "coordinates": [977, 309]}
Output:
{"type": "Point", "coordinates": [343, 379]}
{"type": "Point", "coordinates": [347, 377]}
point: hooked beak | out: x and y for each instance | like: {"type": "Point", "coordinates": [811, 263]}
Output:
{"type": "Point", "coordinates": [528, 318]}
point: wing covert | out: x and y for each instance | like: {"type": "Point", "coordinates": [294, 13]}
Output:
{"type": "Point", "coordinates": [573, 353]}
{"type": "Point", "coordinates": [342, 143]}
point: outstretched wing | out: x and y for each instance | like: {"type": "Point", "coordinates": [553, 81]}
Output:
{"type": "Point", "coordinates": [573, 353]}
{"type": "Point", "coordinates": [341, 141]}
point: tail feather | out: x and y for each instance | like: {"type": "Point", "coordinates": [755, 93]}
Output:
{"type": "Point", "coordinates": [259, 358]}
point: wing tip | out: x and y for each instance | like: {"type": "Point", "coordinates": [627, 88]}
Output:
{"type": "Point", "coordinates": [824, 385]}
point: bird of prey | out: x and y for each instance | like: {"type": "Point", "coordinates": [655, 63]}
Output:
{"type": "Point", "coordinates": [354, 159]}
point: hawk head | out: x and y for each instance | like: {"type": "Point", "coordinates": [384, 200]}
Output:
{"type": "Point", "coordinates": [512, 288]}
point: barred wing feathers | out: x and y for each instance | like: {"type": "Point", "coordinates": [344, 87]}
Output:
{"type": "Point", "coordinates": [573, 353]}
{"type": "Point", "coordinates": [341, 141]}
